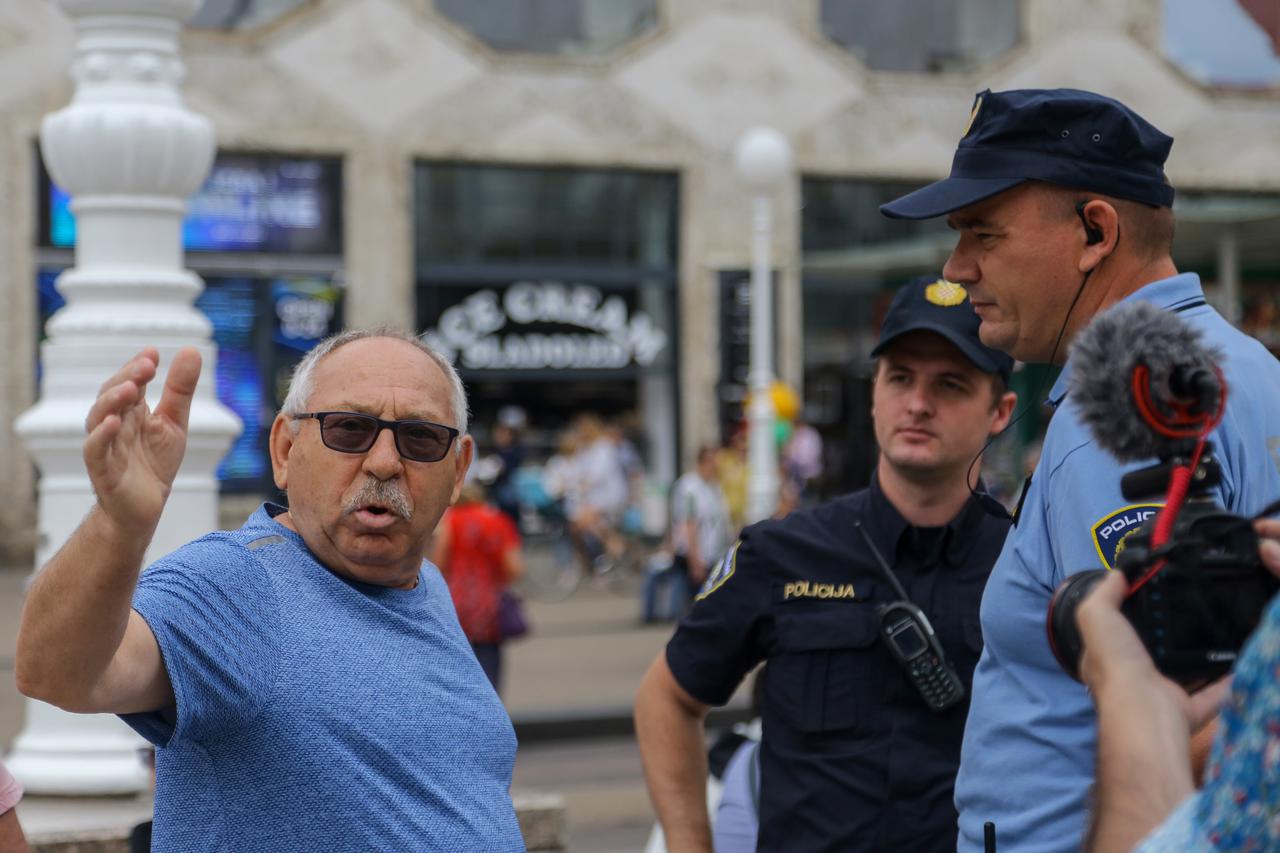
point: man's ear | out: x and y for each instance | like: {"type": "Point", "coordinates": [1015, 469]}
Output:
{"type": "Point", "coordinates": [279, 445]}
{"type": "Point", "coordinates": [1101, 234]}
{"type": "Point", "coordinates": [1004, 409]}
{"type": "Point", "coordinates": [462, 461]}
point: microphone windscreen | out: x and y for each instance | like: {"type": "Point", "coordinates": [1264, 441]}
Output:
{"type": "Point", "coordinates": [1103, 358]}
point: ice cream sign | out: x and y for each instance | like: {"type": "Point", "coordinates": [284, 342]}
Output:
{"type": "Point", "coordinates": [546, 325]}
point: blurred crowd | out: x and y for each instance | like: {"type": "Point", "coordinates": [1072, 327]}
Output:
{"type": "Point", "coordinates": [591, 490]}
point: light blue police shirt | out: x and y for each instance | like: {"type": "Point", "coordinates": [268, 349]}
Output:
{"type": "Point", "coordinates": [1028, 757]}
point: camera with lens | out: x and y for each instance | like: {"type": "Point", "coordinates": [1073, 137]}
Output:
{"type": "Point", "coordinates": [1193, 601]}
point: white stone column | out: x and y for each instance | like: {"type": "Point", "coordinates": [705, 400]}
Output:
{"type": "Point", "coordinates": [129, 153]}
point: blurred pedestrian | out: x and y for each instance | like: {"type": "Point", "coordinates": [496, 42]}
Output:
{"type": "Point", "coordinates": [731, 472]}
{"type": "Point", "coordinates": [632, 471]}
{"type": "Point", "coordinates": [602, 493]}
{"type": "Point", "coordinates": [699, 519]}
{"type": "Point", "coordinates": [510, 452]}
{"type": "Point", "coordinates": [802, 460]}
{"type": "Point", "coordinates": [477, 549]}
{"type": "Point", "coordinates": [559, 480]}
{"type": "Point", "coordinates": [699, 535]}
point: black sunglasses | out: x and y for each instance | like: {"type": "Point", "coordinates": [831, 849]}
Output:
{"type": "Point", "coordinates": [352, 432]}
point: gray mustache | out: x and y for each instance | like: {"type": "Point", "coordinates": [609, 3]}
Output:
{"type": "Point", "coordinates": [384, 492]}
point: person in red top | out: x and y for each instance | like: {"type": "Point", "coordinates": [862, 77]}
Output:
{"type": "Point", "coordinates": [11, 837]}
{"type": "Point", "coordinates": [477, 549]}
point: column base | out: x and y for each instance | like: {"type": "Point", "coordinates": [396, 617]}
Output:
{"type": "Point", "coordinates": [63, 754]}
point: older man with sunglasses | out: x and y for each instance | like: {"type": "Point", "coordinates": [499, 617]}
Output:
{"type": "Point", "coordinates": [304, 677]}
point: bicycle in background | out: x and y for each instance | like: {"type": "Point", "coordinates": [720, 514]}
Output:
{"type": "Point", "coordinates": [560, 560]}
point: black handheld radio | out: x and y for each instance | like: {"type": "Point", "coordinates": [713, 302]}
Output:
{"type": "Point", "coordinates": [913, 643]}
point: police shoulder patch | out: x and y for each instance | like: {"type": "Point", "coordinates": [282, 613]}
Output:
{"type": "Point", "coordinates": [722, 572]}
{"type": "Point", "coordinates": [1111, 531]}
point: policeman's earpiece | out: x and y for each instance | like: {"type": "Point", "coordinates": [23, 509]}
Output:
{"type": "Point", "coordinates": [1092, 236]}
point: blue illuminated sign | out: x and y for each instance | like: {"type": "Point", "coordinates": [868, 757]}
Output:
{"type": "Point", "coordinates": [250, 203]}
{"type": "Point", "coordinates": [262, 328]}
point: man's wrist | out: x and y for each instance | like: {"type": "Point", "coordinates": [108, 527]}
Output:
{"type": "Point", "coordinates": [110, 532]}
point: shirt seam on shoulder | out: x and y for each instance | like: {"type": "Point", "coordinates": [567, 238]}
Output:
{"type": "Point", "coordinates": [1066, 456]}
{"type": "Point", "coordinates": [231, 538]}
{"type": "Point", "coordinates": [268, 699]}
{"type": "Point", "coordinates": [160, 629]}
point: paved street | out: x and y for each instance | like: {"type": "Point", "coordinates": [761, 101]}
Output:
{"type": "Point", "coordinates": [581, 662]}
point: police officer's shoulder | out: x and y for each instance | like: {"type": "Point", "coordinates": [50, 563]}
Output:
{"type": "Point", "coordinates": [809, 532]}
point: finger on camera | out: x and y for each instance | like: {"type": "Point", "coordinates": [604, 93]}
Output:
{"type": "Point", "coordinates": [1206, 703]}
{"type": "Point", "coordinates": [1105, 596]}
{"type": "Point", "coordinates": [1100, 609]}
{"type": "Point", "coordinates": [1269, 551]}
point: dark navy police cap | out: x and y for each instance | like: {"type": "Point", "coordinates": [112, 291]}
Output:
{"type": "Point", "coordinates": [1061, 136]}
{"type": "Point", "coordinates": [936, 305]}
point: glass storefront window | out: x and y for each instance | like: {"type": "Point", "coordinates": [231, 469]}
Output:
{"type": "Point", "coordinates": [922, 35]}
{"type": "Point", "coordinates": [563, 27]}
{"type": "Point", "coordinates": [619, 220]}
{"type": "Point", "coordinates": [852, 256]}
{"type": "Point", "coordinates": [536, 279]}
{"type": "Point", "coordinates": [1233, 43]}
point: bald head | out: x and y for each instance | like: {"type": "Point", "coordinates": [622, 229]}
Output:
{"type": "Point", "coordinates": [302, 383]}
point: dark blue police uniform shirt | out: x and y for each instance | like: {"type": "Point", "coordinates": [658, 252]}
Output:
{"type": "Point", "coordinates": [852, 759]}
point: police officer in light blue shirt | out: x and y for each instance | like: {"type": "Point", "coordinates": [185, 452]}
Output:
{"type": "Point", "coordinates": [1062, 209]}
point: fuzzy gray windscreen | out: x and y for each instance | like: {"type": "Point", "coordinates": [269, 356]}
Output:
{"type": "Point", "coordinates": [1103, 357]}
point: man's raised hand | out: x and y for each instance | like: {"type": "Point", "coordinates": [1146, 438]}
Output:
{"type": "Point", "coordinates": [132, 453]}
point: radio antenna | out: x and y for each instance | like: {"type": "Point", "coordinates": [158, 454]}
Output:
{"type": "Point", "coordinates": [884, 567]}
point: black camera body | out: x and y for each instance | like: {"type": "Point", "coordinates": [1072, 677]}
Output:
{"type": "Point", "coordinates": [1195, 614]}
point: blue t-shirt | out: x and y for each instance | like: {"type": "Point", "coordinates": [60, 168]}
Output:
{"type": "Point", "coordinates": [1027, 762]}
{"type": "Point", "coordinates": [316, 713]}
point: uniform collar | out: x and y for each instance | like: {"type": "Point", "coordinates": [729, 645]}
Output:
{"type": "Point", "coordinates": [888, 527]}
{"type": "Point", "coordinates": [1172, 294]}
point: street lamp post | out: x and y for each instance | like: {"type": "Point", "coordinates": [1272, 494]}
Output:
{"type": "Point", "coordinates": [763, 159]}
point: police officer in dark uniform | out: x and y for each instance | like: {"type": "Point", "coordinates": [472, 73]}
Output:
{"type": "Point", "coordinates": [853, 756]}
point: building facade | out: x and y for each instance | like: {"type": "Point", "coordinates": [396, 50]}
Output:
{"type": "Point", "coordinates": [546, 189]}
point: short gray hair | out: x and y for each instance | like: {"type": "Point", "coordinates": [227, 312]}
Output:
{"type": "Point", "coordinates": [302, 383]}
